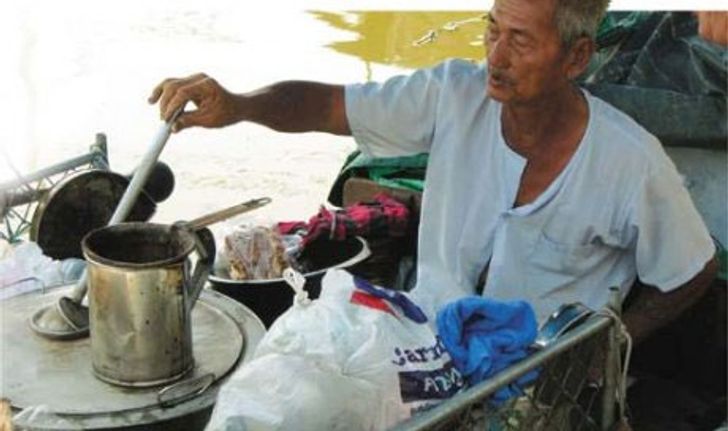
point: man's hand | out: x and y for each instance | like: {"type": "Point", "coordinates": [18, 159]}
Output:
{"type": "Point", "coordinates": [216, 107]}
{"type": "Point", "coordinates": [713, 26]}
{"type": "Point", "coordinates": [289, 106]}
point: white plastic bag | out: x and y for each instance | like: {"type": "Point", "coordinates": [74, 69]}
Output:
{"type": "Point", "coordinates": [5, 249]}
{"type": "Point", "coordinates": [24, 268]}
{"type": "Point", "coordinates": [358, 358]}
{"type": "Point", "coordinates": [42, 418]}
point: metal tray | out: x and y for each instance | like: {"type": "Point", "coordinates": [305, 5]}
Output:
{"type": "Point", "coordinates": [58, 374]}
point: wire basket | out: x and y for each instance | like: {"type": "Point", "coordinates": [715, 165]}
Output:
{"type": "Point", "coordinates": [561, 398]}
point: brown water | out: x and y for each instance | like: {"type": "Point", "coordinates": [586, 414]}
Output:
{"type": "Point", "coordinates": [409, 39]}
{"type": "Point", "coordinates": [82, 70]}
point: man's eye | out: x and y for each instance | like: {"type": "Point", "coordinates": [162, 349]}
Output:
{"type": "Point", "coordinates": [521, 42]}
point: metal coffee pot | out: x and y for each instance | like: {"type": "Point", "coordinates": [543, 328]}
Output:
{"type": "Point", "coordinates": [143, 284]}
{"type": "Point", "coordinates": [141, 291]}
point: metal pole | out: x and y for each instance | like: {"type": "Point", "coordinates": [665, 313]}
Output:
{"type": "Point", "coordinates": [100, 149]}
{"type": "Point", "coordinates": [10, 197]}
{"type": "Point", "coordinates": [97, 156]}
{"type": "Point", "coordinates": [128, 199]}
{"type": "Point", "coordinates": [611, 360]}
{"type": "Point", "coordinates": [49, 171]}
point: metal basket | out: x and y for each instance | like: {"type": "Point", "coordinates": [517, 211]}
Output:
{"type": "Point", "coordinates": [561, 398]}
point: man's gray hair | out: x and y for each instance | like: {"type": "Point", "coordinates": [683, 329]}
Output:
{"type": "Point", "coordinates": [578, 18]}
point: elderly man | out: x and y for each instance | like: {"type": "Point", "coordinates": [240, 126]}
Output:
{"type": "Point", "coordinates": [535, 187]}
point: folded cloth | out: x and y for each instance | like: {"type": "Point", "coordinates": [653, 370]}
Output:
{"type": "Point", "coordinates": [484, 336]}
{"type": "Point", "coordinates": [384, 217]}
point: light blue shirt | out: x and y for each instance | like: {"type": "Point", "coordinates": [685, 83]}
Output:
{"type": "Point", "coordinates": [618, 210]}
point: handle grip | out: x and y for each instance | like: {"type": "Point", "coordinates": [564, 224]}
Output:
{"type": "Point", "coordinates": [170, 396]}
{"type": "Point", "coordinates": [205, 246]}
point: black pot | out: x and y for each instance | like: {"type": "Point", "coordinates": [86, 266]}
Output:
{"type": "Point", "coordinates": [270, 298]}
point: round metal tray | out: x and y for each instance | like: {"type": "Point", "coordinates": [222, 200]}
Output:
{"type": "Point", "coordinates": [58, 374]}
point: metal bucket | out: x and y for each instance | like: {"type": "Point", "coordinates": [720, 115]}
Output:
{"type": "Point", "coordinates": [141, 293]}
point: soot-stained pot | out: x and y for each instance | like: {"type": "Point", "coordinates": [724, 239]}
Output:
{"type": "Point", "coordinates": [80, 203]}
{"type": "Point", "coordinates": [270, 298]}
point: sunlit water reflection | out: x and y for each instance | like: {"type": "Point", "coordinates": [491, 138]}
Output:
{"type": "Point", "coordinates": [88, 67]}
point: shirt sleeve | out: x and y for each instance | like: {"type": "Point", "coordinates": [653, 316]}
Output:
{"type": "Point", "coordinates": [672, 243]}
{"type": "Point", "coordinates": [397, 117]}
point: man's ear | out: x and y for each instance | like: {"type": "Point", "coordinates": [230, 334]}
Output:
{"type": "Point", "coordinates": [577, 59]}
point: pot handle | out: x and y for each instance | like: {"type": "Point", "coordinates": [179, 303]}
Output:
{"type": "Point", "coordinates": [205, 246]}
{"type": "Point", "coordinates": [176, 393]}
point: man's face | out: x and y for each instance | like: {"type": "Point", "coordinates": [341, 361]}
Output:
{"type": "Point", "coordinates": [525, 55]}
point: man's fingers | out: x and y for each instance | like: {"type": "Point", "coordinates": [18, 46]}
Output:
{"type": "Point", "coordinates": [212, 101]}
{"type": "Point", "coordinates": [188, 119]}
{"type": "Point", "coordinates": [152, 99]}
{"type": "Point", "coordinates": [194, 92]}
{"type": "Point", "coordinates": [169, 89]}
{"type": "Point", "coordinates": [179, 100]}
{"type": "Point", "coordinates": [171, 99]}
{"type": "Point", "coordinates": [159, 89]}
{"type": "Point", "coordinates": [155, 94]}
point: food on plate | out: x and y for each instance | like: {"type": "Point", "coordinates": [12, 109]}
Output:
{"type": "Point", "coordinates": [255, 253]}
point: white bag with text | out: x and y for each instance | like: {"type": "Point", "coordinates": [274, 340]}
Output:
{"type": "Point", "coordinates": [358, 358]}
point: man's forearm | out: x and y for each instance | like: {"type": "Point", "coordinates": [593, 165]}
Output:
{"type": "Point", "coordinates": [296, 106]}
{"type": "Point", "coordinates": [653, 309]}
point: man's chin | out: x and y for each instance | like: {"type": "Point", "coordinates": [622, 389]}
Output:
{"type": "Point", "coordinates": [498, 93]}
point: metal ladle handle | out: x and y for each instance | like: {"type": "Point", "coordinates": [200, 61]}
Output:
{"type": "Point", "coordinates": [205, 242]}
{"type": "Point", "coordinates": [226, 213]}
{"type": "Point", "coordinates": [132, 191]}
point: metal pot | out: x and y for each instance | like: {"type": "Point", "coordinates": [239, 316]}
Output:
{"type": "Point", "coordinates": [141, 292]}
{"type": "Point", "coordinates": [272, 297]}
{"type": "Point", "coordinates": [85, 201]}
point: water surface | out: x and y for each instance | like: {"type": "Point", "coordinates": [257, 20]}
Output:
{"type": "Point", "coordinates": [85, 68]}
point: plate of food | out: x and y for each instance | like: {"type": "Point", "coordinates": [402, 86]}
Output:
{"type": "Point", "coordinates": [251, 261]}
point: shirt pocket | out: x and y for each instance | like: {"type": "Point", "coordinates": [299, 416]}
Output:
{"type": "Point", "coordinates": [564, 261]}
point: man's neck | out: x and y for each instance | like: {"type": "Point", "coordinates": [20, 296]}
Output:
{"type": "Point", "coordinates": [555, 122]}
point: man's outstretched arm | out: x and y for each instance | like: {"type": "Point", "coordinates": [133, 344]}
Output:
{"type": "Point", "coordinates": [289, 106]}
{"type": "Point", "coordinates": [653, 309]}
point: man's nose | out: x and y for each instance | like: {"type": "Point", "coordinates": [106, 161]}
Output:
{"type": "Point", "coordinates": [498, 54]}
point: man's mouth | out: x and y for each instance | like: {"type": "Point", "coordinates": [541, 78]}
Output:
{"type": "Point", "coordinates": [498, 79]}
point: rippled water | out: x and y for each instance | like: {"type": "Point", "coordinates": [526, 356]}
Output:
{"type": "Point", "coordinates": [85, 68]}
{"type": "Point", "coordinates": [408, 39]}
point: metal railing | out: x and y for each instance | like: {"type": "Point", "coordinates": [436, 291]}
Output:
{"type": "Point", "coordinates": [562, 398]}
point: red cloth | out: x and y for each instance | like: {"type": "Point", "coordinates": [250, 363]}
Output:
{"type": "Point", "coordinates": [384, 217]}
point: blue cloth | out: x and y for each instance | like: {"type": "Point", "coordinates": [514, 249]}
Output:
{"type": "Point", "coordinates": [484, 336]}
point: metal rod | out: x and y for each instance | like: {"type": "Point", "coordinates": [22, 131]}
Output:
{"type": "Point", "coordinates": [96, 156]}
{"type": "Point", "coordinates": [611, 359]}
{"type": "Point", "coordinates": [23, 197]}
{"type": "Point", "coordinates": [461, 401]}
{"type": "Point", "coordinates": [99, 148]}
{"type": "Point", "coordinates": [49, 171]}
{"type": "Point", "coordinates": [128, 199]}
{"type": "Point", "coordinates": [226, 213]}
